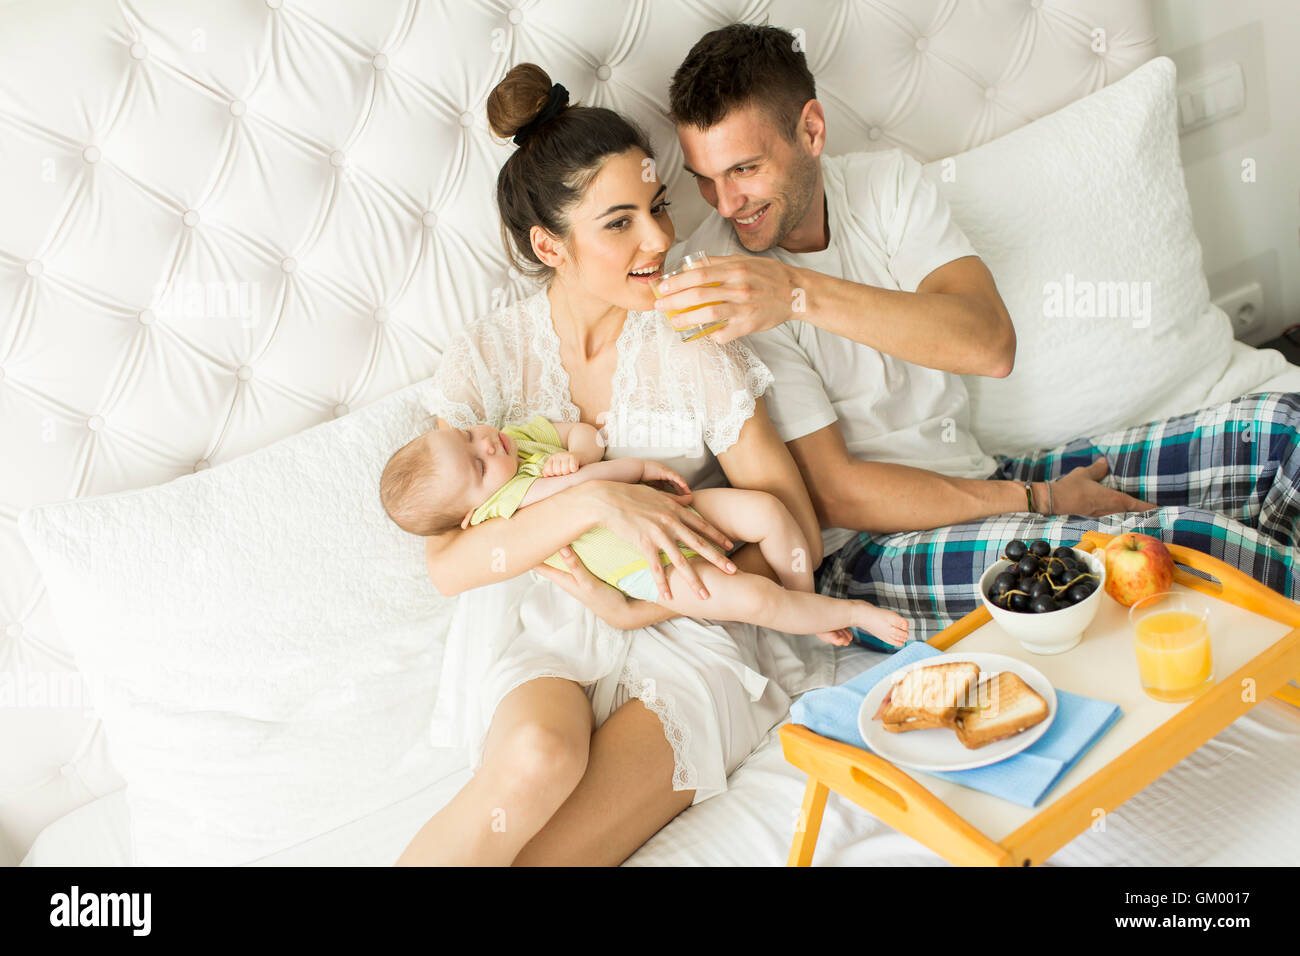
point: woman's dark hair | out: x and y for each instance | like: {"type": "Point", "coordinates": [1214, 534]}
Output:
{"type": "Point", "coordinates": [547, 176]}
{"type": "Point", "coordinates": [740, 65]}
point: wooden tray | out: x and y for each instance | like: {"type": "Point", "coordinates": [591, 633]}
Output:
{"type": "Point", "coordinates": [1255, 637]}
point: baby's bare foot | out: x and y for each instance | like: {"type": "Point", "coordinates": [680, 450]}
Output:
{"type": "Point", "coordinates": [840, 638]}
{"type": "Point", "coordinates": [886, 625]}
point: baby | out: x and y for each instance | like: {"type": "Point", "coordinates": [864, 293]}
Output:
{"type": "Point", "coordinates": [449, 477]}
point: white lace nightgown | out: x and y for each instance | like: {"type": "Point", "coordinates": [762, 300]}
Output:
{"type": "Point", "coordinates": [717, 688]}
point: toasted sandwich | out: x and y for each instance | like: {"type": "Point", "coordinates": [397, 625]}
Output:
{"type": "Point", "coordinates": [928, 697]}
{"type": "Point", "coordinates": [1006, 706]}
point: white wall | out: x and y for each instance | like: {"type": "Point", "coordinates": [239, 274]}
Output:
{"type": "Point", "coordinates": [1247, 230]}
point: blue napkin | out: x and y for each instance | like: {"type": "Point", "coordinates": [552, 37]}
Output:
{"type": "Point", "coordinates": [1024, 778]}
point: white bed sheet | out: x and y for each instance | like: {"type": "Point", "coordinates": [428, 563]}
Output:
{"type": "Point", "coordinates": [1235, 801]}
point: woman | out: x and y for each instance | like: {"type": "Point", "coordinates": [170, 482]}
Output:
{"type": "Point", "coordinates": [593, 726]}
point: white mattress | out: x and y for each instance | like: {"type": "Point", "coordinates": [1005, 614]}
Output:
{"type": "Point", "coordinates": [1235, 801]}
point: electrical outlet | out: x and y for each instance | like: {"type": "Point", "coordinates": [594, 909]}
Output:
{"type": "Point", "coordinates": [1245, 307]}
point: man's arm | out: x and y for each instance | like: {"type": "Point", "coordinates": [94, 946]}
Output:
{"type": "Point", "coordinates": [955, 321]}
{"type": "Point", "coordinates": [882, 498]}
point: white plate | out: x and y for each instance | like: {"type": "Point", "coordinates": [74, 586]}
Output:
{"type": "Point", "coordinates": [939, 749]}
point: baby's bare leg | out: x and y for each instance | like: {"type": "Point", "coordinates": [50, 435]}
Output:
{"type": "Point", "coordinates": [755, 599]}
{"type": "Point", "coordinates": [758, 517]}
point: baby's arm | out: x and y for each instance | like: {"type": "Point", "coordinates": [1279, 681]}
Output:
{"type": "Point", "coordinates": [583, 448]}
{"type": "Point", "coordinates": [630, 470]}
{"type": "Point", "coordinates": [581, 439]}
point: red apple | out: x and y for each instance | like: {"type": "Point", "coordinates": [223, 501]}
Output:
{"type": "Point", "coordinates": [1137, 566]}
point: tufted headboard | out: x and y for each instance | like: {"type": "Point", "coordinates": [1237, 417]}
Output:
{"type": "Point", "coordinates": [222, 223]}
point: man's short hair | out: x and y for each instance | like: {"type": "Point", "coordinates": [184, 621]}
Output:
{"type": "Point", "coordinates": [739, 65]}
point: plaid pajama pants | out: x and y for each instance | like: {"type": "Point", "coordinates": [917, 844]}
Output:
{"type": "Point", "coordinates": [1226, 479]}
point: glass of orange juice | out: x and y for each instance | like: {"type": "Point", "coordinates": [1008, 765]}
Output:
{"type": "Point", "coordinates": [1171, 635]}
{"type": "Point", "coordinates": [692, 260]}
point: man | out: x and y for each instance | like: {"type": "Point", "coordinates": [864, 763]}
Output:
{"type": "Point", "coordinates": [849, 279]}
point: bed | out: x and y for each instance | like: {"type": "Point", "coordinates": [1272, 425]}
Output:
{"type": "Point", "coordinates": [236, 236]}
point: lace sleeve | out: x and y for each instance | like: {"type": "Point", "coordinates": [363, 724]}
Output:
{"type": "Point", "coordinates": [464, 391]}
{"type": "Point", "coordinates": [731, 377]}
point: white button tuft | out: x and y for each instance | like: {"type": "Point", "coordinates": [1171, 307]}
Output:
{"type": "Point", "coordinates": [340, 410]}
{"type": "Point", "coordinates": [68, 769]}
{"type": "Point", "coordinates": [288, 264]}
{"type": "Point", "coordinates": [1035, 4]}
{"type": "Point", "coordinates": [429, 219]}
{"type": "Point", "coordinates": [603, 72]}
{"type": "Point", "coordinates": [90, 154]}
{"type": "Point", "coordinates": [202, 465]}
{"type": "Point", "coordinates": [379, 61]}
{"type": "Point", "coordinates": [338, 158]}
{"type": "Point", "coordinates": [35, 267]}
{"type": "Point", "coordinates": [238, 107]}
{"type": "Point", "coordinates": [467, 119]}
{"type": "Point", "coordinates": [138, 50]}
{"type": "Point", "coordinates": [381, 314]}
{"type": "Point", "coordinates": [244, 373]}
{"type": "Point", "coordinates": [515, 16]}
{"type": "Point", "coordinates": [873, 133]}
{"type": "Point", "coordinates": [515, 274]}
{"type": "Point", "coordinates": [14, 629]}
{"type": "Point", "coordinates": [273, 4]}
{"type": "Point", "coordinates": [191, 217]}
{"type": "Point", "coordinates": [95, 423]}
{"type": "Point", "coordinates": [922, 43]}
{"type": "Point", "coordinates": [146, 317]}
{"type": "Point", "coordinates": [991, 93]}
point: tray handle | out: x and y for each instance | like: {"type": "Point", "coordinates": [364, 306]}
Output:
{"type": "Point", "coordinates": [887, 793]}
{"type": "Point", "coordinates": [1234, 586]}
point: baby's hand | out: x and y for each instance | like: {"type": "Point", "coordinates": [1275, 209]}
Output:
{"type": "Point", "coordinates": [657, 472]}
{"type": "Point", "coordinates": [560, 463]}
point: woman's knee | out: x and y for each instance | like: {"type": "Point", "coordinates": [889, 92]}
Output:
{"type": "Point", "coordinates": [536, 756]}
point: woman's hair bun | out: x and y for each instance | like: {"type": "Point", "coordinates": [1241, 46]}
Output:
{"type": "Point", "coordinates": [517, 99]}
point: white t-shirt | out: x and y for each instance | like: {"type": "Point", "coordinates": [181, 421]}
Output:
{"type": "Point", "coordinates": [889, 227]}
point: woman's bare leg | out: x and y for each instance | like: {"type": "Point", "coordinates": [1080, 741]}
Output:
{"type": "Point", "coordinates": [535, 753]}
{"type": "Point", "coordinates": [624, 799]}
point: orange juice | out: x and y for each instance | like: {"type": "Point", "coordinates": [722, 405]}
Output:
{"type": "Point", "coordinates": [1172, 642]}
{"type": "Point", "coordinates": [694, 260]}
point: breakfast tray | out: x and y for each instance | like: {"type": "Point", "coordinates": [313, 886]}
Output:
{"type": "Point", "coordinates": [1255, 640]}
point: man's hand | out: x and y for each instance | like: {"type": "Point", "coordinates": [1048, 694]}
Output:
{"type": "Point", "coordinates": [608, 603]}
{"type": "Point", "coordinates": [1080, 492]}
{"type": "Point", "coordinates": [751, 293]}
{"type": "Point", "coordinates": [560, 463]}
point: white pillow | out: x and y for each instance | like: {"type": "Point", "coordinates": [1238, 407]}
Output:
{"type": "Point", "coordinates": [1092, 194]}
{"type": "Point", "coordinates": [263, 644]}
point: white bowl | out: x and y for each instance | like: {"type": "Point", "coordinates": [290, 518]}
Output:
{"type": "Point", "coordinates": [1052, 632]}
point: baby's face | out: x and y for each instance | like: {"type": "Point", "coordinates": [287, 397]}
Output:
{"type": "Point", "coordinates": [474, 461]}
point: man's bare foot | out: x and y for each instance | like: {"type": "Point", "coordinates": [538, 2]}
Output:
{"type": "Point", "coordinates": [886, 625]}
{"type": "Point", "coordinates": [840, 638]}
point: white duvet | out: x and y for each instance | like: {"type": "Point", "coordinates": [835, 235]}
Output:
{"type": "Point", "coordinates": [1231, 802]}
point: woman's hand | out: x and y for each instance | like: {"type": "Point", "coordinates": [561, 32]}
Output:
{"type": "Point", "coordinates": [1080, 492]}
{"type": "Point", "coordinates": [608, 603]}
{"type": "Point", "coordinates": [654, 521]}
